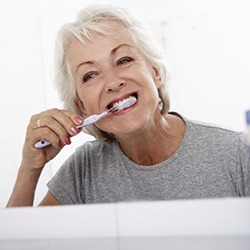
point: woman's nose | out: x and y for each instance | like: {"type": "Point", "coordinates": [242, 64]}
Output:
{"type": "Point", "coordinates": [114, 83]}
{"type": "Point", "coordinates": [115, 86]}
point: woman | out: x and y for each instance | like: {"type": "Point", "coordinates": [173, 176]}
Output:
{"type": "Point", "coordinates": [143, 152]}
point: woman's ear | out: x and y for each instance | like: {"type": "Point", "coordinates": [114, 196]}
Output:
{"type": "Point", "coordinates": [157, 77]}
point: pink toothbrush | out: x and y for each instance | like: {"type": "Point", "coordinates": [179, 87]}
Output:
{"type": "Point", "coordinates": [94, 118]}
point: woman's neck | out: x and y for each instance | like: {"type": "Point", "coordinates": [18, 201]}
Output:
{"type": "Point", "coordinates": [155, 144]}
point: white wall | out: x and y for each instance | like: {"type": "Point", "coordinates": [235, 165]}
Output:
{"type": "Point", "coordinates": [207, 46]}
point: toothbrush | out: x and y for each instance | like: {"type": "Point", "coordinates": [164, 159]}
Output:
{"type": "Point", "coordinates": [126, 103]}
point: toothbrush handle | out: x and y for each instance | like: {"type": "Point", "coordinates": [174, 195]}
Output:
{"type": "Point", "coordinates": [92, 119]}
{"type": "Point", "coordinates": [88, 121]}
{"type": "Point", "coordinates": [42, 144]}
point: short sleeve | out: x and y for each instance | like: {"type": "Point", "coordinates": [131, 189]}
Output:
{"type": "Point", "coordinates": [243, 166]}
{"type": "Point", "coordinates": [67, 185]}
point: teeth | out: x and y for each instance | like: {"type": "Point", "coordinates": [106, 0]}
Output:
{"type": "Point", "coordinates": [115, 106]}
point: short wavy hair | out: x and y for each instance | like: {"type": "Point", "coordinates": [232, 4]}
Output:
{"type": "Point", "coordinates": [91, 20]}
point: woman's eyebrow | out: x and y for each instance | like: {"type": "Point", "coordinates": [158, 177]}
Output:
{"type": "Point", "coordinates": [83, 63]}
{"type": "Point", "coordinates": [113, 51]}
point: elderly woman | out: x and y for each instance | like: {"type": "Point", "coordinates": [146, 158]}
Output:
{"type": "Point", "coordinates": [142, 151]}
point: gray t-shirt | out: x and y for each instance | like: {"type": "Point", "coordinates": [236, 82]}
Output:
{"type": "Point", "coordinates": [211, 162]}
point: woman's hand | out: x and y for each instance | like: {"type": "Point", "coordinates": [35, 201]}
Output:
{"type": "Point", "coordinates": [54, 125]}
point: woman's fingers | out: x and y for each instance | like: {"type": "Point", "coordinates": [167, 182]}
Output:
{"type": "Point", "coordinates": [55, 125]}
{"type": "Point", "coordinates": [46, 134]}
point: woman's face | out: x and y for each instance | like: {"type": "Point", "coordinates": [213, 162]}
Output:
{"type": "Point", "coordinates": [109, 69]}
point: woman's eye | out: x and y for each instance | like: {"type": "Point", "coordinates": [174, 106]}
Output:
{"type": "Point", "coordinates": [124, 61]}
{"type": "Point", "coordinates": [89, 76]}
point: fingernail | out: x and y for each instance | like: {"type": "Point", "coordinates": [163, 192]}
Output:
{"type": "Point", "coordinates": [67, 140]}
{"type": "Point", "coordinates": [79, 120]}
{"type": "Point", "coordinates": [74, 130]}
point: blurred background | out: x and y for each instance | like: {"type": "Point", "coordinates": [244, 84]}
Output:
{"type": "Point", "coordinates": [206, 44]}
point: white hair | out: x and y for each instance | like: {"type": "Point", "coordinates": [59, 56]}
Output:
{"type": "Point", "coordinates": [89, 21]}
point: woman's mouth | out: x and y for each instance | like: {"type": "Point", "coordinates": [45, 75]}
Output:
{"type": "Point", "coordinates": [123, 103]}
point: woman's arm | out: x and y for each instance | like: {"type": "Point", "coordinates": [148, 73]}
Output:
{"type": "Point", "coordinates": [55, 125]}
{"type": "Point", "coordinates": [24, 190]}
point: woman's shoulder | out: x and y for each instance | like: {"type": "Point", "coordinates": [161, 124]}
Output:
{"type": "Point", "coordinates": [207, 125]}
{"type": "Point", "coordinates": [214, 129]}
{"type": "Point", "coordinates": [211, 131]}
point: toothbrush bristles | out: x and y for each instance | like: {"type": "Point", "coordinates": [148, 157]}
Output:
{"type": "Point", "coordinates": [126, 103]}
